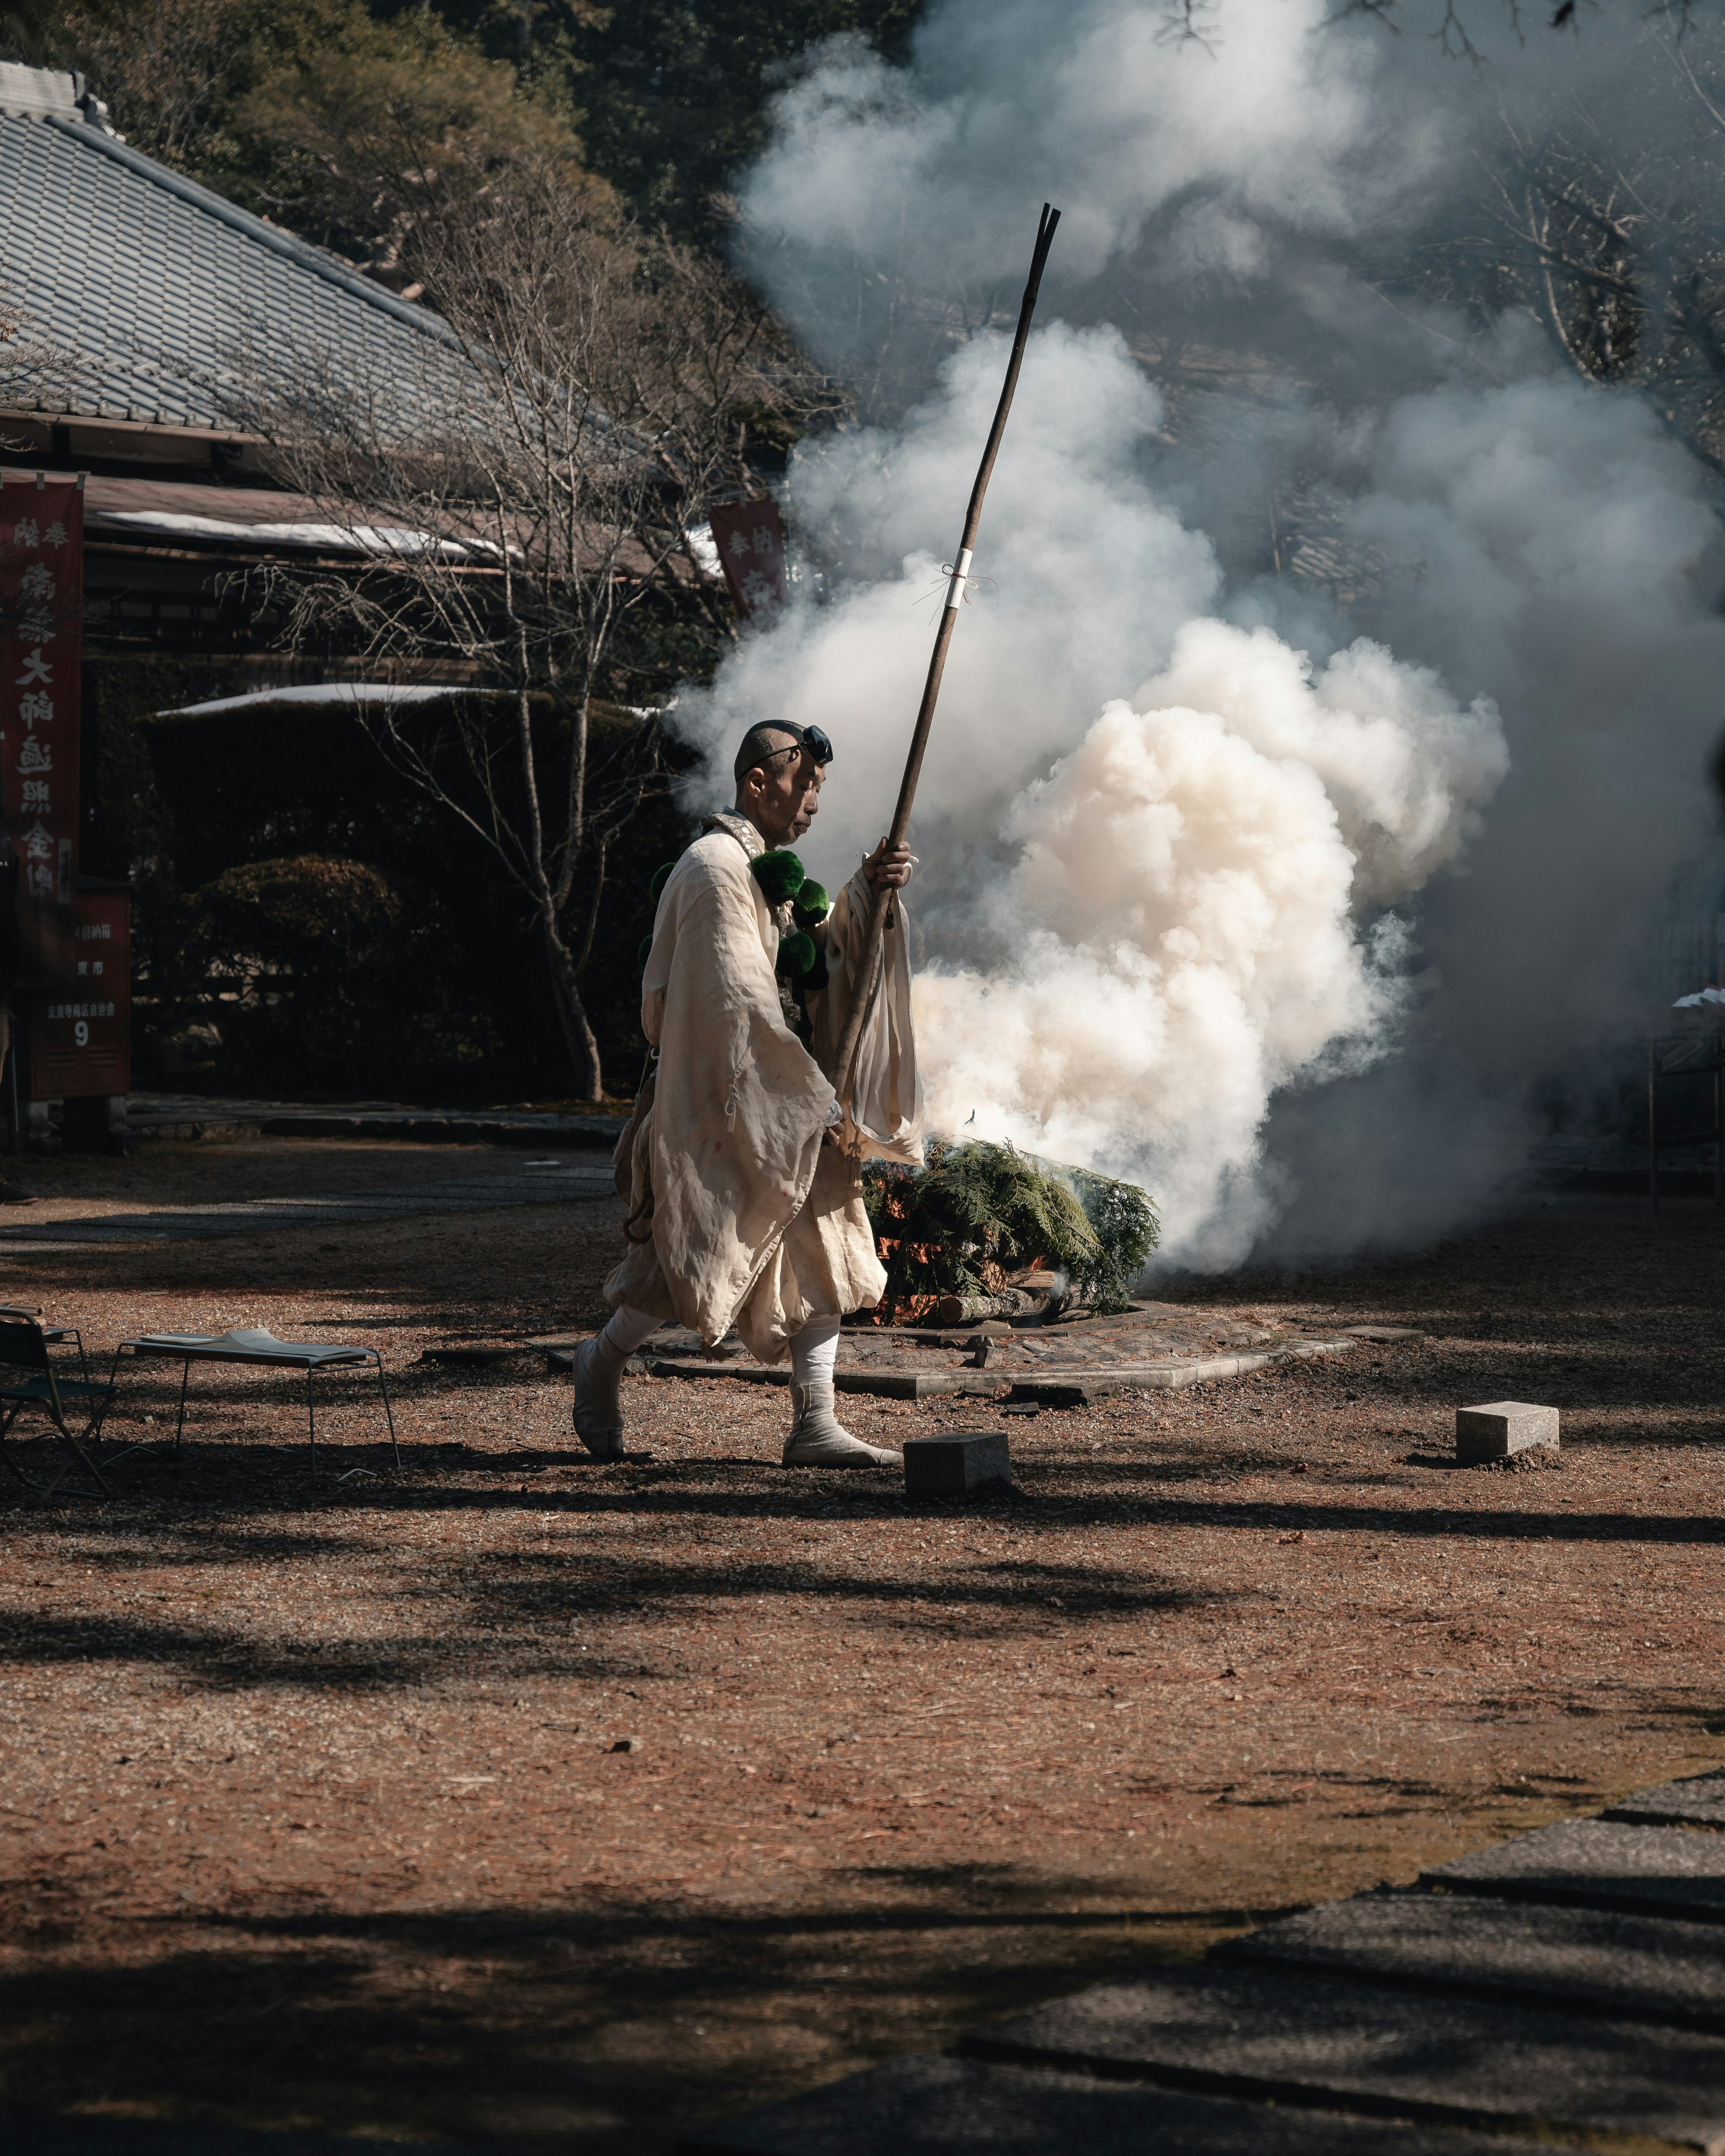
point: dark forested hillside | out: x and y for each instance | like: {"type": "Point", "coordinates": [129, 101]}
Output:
{"type": "Point", "coordinates": [290, 105]}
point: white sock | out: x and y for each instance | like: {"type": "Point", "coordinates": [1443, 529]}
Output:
{"type": "Point", "coordinates": [626, 1329]}
{"type": "Point", "coordinates": [814, 1352]}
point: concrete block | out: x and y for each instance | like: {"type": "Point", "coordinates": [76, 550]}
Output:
{"type": "Point", "coordinates": [1283, 2038]}
{"type": "Point", "coordinates": [943, 2107]}
{"type": "Point", "coordinates": [956, 1463]}
{"type": "Point", "coordinates": [1664, 1871]}
{"type": "Point", "coordinates": [1533, 1954]}
{"type": "Point", "coordinates": [1502, 1428]}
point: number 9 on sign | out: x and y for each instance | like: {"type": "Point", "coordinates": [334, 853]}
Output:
{"type": "Point", "coordinates": [80, 1033]}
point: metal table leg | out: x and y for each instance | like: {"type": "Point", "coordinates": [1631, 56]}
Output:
{"type": "Point", "coordinates": [389, 1412]}
{"type": "Point", "coordinates": [179, 1427]}
{"type": "Point", "coordinates": [124, 1451]}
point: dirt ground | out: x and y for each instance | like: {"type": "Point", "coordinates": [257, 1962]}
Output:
{"type": "Point", "coordinates": [312, 1806]}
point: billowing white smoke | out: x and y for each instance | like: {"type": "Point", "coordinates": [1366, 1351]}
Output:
{"type": "Point", "coordinates": [1184, 912]}
{"type": "Point", "coordinates": [931, 175]}
{"type": "Point", "coordinates": [1175, 921]}
{"type": "Point", "coordinates": [1088, 578]}
{"type": "Point", "coordinates": [1158, 840]}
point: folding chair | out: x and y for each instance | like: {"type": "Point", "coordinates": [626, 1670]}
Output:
{"type": "Point", "coordinates": [56, 1336]}
{"type": "Point", "coordinates": [28, 1379]}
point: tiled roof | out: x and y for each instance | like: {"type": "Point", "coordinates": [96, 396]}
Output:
{"type": "Point", "coordinates": [153, 283]}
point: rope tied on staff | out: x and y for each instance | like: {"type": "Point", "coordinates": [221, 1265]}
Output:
{"type": "Point", "coordinates": [956, 582]}
{"type": "Point", "coordinates": [959, 578]}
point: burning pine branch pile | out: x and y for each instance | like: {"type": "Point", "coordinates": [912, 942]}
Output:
{"type": "Point", "coordinates": [986, 1231]}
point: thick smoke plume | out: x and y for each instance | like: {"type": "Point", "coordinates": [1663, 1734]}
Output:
{"type": "Point", "coordinates": [1186, 913]}
{"type": "Point", "coordinates": [1345, 673]}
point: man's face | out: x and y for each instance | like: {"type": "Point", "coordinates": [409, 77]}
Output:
{"type": "Point", "coordinates": [781, 798]}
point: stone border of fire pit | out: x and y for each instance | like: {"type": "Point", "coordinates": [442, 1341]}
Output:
{"type": "Point", "coordinates": [1071, 1388]}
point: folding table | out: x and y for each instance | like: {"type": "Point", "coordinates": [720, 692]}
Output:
{"type": "Point", "coordinates": [257, 1345]}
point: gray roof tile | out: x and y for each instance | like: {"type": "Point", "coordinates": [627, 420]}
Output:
{"type": "Point", "coordinates": [151, 281]}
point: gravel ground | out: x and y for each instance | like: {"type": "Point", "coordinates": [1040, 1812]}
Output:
{"type": "Point", "coordinates": [531, 1800]}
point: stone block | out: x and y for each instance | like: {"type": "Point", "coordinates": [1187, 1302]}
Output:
{"type": "Point", "coordinates": [956, 1463]}
{"type": "Point", "coordinates": [1503, 1428]}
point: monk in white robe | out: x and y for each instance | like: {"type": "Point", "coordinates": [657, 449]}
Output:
{"type": "Point", "coordinates": [741, 1172]}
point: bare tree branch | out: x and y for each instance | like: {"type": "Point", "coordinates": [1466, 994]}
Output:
{"type": "Point", "coordinates": [1597, 222]}
{"type": "Point", "coordinates": [520, 510]}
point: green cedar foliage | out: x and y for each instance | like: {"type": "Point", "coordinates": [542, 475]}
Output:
{"type": "Point", "coordinates": [979, 1204]}
{"type": "Point", "coordinates": [1122, 1219]}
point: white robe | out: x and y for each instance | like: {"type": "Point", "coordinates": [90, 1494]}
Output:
{"type": "Point", "coordinates": [741, 1214]}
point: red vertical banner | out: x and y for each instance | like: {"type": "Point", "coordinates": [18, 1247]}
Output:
{"type": "Point", "coordinates": [80, 1034]}
{"type": "Point", "coordinates": [750, 537]}
{"type": "Point", "coordinates": [41, 609]}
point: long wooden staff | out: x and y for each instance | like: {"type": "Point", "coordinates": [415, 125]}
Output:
{"type": "Point", "coordinates": [867, 978]}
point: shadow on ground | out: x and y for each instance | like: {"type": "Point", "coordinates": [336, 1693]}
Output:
{"type": "Point", "coordinates": [520, 2032]}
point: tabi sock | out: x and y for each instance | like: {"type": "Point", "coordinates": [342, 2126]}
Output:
{"type": "Point", "coordinates": [624, 1331]}
{"type": "Point", "coordinates": [814, 1352]}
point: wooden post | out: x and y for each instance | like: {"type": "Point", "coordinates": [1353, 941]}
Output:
{"type": "Point", "coordinates": [1719, 1076]}
{"type": "Point", "coordinates": [867, 982]}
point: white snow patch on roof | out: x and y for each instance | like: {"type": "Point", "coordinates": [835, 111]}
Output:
{"type": "Point", "coordinates": [358, 538]}
{"type": "Point", "coordinates": [317, 692]}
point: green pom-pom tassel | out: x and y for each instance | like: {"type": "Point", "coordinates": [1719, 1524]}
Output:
{"type": "Point", "coordinates": [660, 878]}
{"type": "Point", "coordinates": [812, 904]}
{"type": "Point", "coordinates": [797, 954]}
{"type": "Point", "coordinates": [645, 951]}
{"type": "Point", "coordinates": [779, 874]}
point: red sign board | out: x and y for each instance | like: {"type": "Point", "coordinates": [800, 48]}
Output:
{"type": "Point", "coordinates": [41, 606]}
{"type": "Point", "coordinates": [80, 1034]}
{"type": "Point", "coordinates": [750, 537]}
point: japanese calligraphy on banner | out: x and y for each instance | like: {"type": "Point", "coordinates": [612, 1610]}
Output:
{"type": "Point", "coordinates": [41, 605]}
{"type": "Point", "coordinates": [750, 537]}
{"type": "Point", "coordinates": [80, 1033]}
